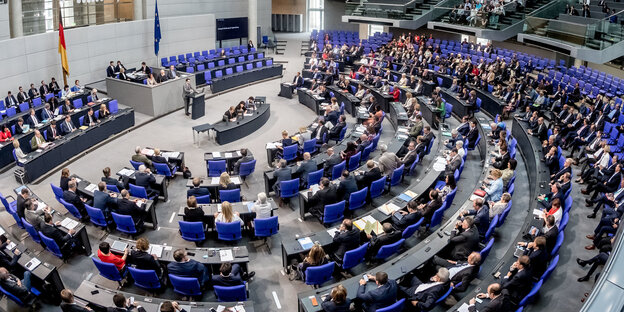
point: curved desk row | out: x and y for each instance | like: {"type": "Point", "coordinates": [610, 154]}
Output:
{"type": "Point", "coordinates": [248, 76]}
{"type": "Point", "coordinates": [227, 132]}
{"type": "Point", "coordinates": [99, 298]}
{"type": "Point", "coordinates": [343, 96]}
{"type": "Point", "coordinates": [200, 76]}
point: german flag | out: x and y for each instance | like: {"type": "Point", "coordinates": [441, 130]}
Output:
{"type": "Point", "coordinates": [62, 49]}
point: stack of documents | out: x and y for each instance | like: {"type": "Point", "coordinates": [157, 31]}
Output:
{"type": "Point", "coordinates": [388, 209]}
{"type": "Point", "coordinates": [236, 180]}
{"type": "Point", "coordinates": [226, 255]}
{"type": "Point", "coordinates": [147, 151]}
{"type": "Point", "coordinates": [126, 172]}
{"type": "Point", "coordinates": [91, 187]}
{"type": "Point", "coordinates": [155, 250]}
{"type": "Point", "coordinates": [214, 180]}
{"type": "Point", "coordinates": [69, 224]}
{"type": "Point", "coordinates": [305, 242]}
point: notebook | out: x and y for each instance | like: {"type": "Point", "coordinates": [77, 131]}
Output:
{"type": "Point", "coordinates": [305, 242]}
{"type": "Point", "coordinates": [119, 246]}
{"type": "Point", "coordinates": [155, 250]}
{"type": "Point", "coordinates": [69, 224]}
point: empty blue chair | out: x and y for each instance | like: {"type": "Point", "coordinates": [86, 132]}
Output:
{"type": "Point", "coordinates": [77, 103]}
{"type": "Point", "coordinates": [560, 238]}
{"type": "Point", "coordinates": [71, 208]}
{"type": "Point", "coordinates": [146, 279]}
{"type": "Point", "coordinates": [247, 168]}
{"type": "Point", "coordinates": [218, 73]}
{"type": "Point", "coordinates": [58, 192]}
{"type": "Point", "coordinates": [564, 221]}
{"type": "Point", "coordinates": [8, 205]}
{"type": "Point", "coordinates": [318, 275]}
{"type": "Point", "coordinates": [333, 213]}
{"type": "Point", "coordinates": [290, 152]}
{"type": "Point", "coordinates": [138, 191]}
{"type": "Point", "coordinates": [10, 112]}
{"type": "Point", "coordinates": [436, 219]}
{"type": "Point", "coordinates": [309, 146]}
{"type": "Point", "coordinates": [265, 228]}
{"type": "Point", "coordinates": [124, 223]}
{"type": "Point", "coordinates": [36, 102]}
{"type": "Point", "coordinates": [229, 71]}
{"type": "Point", "coordinates": [232, 196]}
{"type": "Point", "coordinates": [208, 77]}
{"type": "Point", "coordinates": [201, 67]}
{"type": "Point", "coordinates": [551, 267]}
{"type": "Point", "coordinates": [239, 68]}
{"type": "Point", "coordinates": [354, 161]}
{"type": "Point", "coordinates": [289, 188]}
{"type": "Point", "coordinates": [397, 176]}
{"type": "Point", "coordinates": [203, 199]}
{"type": "Point", "coordinates": [31, 231]}
{"type": "Point", "coordinates": [492, 227]}
{"type": "Point", "coordinates": [530, 296]}
{"type": "Point", "coordinates": [23, 107]}
{"type": "Point", "coordinates": [192, 231]}
{"type": "Point", "coordinates": [354, 257]}
{"type": "Point", "coordinates": [338, 169]}
{"type": "Point", "coordinates": [112, 188]}
{"type": "Point", "coordinates": [186, 286]}
{"type": "Point", "coordinates": [342, 135]}
{"type": "Point", "coordinates": [486, 250]}
{"type": "Point", "coordinates": [13, 211]}
{"type": "Point", "coordinates": [388, 250]}
{"type": "Point", "coordinates": [113, 106]}
{"type": "Point", "coordinates": [96, 215]}
{"type": "Point", "coordinates": [366, 152]}
{"type": "Point", "coordinates": [395, 307]}
{"type": "Point", "coordinates": [258, 64]}
{"type": "Point", "coordinates": [249, 66]}
{"type": "Point", "coordinates": [216, 167]}
{"type": "Point", "coordinates": [108, 270]}
{"type": "Point", "coordinates": [410, 230]}
{"type": "Point", "coordinates": [136, 164]}
{"type": "Point", "coordinates": [358, 199]}
{"type": "Point", "coordinates": [377, 187]}
{"type": "Point", "coordinates": [164, 169]}
{"type": "Point", "coordinates": [314, 177]}
{"type": "Point", "coordinates": [231, 293]}
{"type": "Point", "coordinates": [228, 231]}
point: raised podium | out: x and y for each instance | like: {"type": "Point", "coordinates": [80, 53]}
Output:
{"type": "Point", "coordinates": [198, 106]}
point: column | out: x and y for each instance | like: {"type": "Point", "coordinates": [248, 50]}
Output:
{"type": "Point", "coordinates": [252, 13]}
{"type": "Point", "coordinates": [363, 31]}
{"type": "Point", "coordinates": [138, 10]}
{"type": "Point", "coordinates": [15, 18]}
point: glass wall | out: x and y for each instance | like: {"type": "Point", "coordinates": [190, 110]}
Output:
{"type": "Point", "coordinates": [315, 14]}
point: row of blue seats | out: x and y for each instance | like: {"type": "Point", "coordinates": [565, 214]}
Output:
{"type": "Point", "coordinates": [204, 55]}
{"type": "Point", "coordinates": [230, 61]}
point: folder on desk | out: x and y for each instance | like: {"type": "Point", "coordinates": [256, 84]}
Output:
{"type": "Point", "coordinates": [33, 264]}
{"type": "Point", "coordinates": [69, 224]}
{"type": "Point", "coordinates": [228, 155]}
{"type": "Point", "coordinates": [226, 255]}
{"type": "Point", "coordinates": [155, 250]}
{"type": "Point", "coordinates": [236, 180]}
{"type": "Point", "coordinates": [216, 154]}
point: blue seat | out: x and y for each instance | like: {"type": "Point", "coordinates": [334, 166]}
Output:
{"type": "Point", "coordinates": [551, 267]}
{"type": "Point", "coordinates": [17, 300]}
{"type": "Point", "coordinates": [186, 286]}
{"type": "Point", "coordinates": [124, 223]}
{"type": "Point", "coordinates": [314, 177]}
{"type": "Point", "coordinates": [341, 135]}
{"type": "Point", "coordinates": [491, 228]}
{"type": "Point", "coordinates": [23, 107]}
{"type": "Point", "coordinates": [377, 187]}
{"type": "Point", "coordinates": [486, 250]}
{"type": "Point", "coordinates": [112, 188]}
{"type": "Point", "coordinates": [530, 296]}
{"type": "Point", "coordinates": [388, 250]}
{"type": "Point", "coordinates": [318, 275]}
{"type": "Point", "coordinates": [265, 228]}
{"type": "Point", "coordinates": [397, 176]}
{"type": "Point", "coordinates": [338, 169]}
{"type": "Point", "coordinates": [136, 164]}
{"type": "Point", "coordinates": [164, 169]}
{"type": "Point", "coordinates": [436, 219]}
{"type": "Point", "coordinates": [138, 191]}
{"type": "Point", "coordinates": [354, 257]}
{"type": "Point", "coordinates": [96, 216]}
{"type": "Point", "coordinates": [395, 307]}
{"type": "Point", "coordinates": [410, 230]}
{"type": "Point", "coordinates": [228, 231]}
{"type": "Point", "coordinates": [36, 102]}
{"type": "Point", "coordinates": [71, 208]}
{"type": "Point", "coordinates": [232, 196]}
{"type": "Point", "coordinates": [478, 109]}
{"type": "Point", "coordinates": [333, 213]}
{"type": "Point", "coordinates": [216, 167]}
{"type": "Point", "coordinates": [13, 211]}
{"type": "Point", "coordinates": [309, 146]}
{"type": "Point", "coordinates": [77, 103]}
{"type": "Point", "coordinates": [192, 231]}
{"type": "Point", "coordinates": [560, 238]}
{"type": "Point", "coordinates": [51, 246]}
{"type": "Point", "coordinates": [203, 199]}
{"type": "Point", "coordinates": [247, 168]}
{"type": "Point", "coordinates": [289, 188]}
{"type": "Point", "coordinates": [564, 221]}
{"type": "Point", "coordinates": [31, 231]}
{"type": "Point", "coordinates": [366, 152]}
{"type": "Point", "coordinates": [231, 293]}
{"type": "Point", "coordinates": [113, 106]}
{"type": "Point", "coordinates": [146, 279]}
{"type": "Point", "coordinates": [354, 161]}
{"type": "Point", "coordinates": [58, 192]}
{"type": "Point", "coordinates": [358, 199]}
{"type": "Point", "coordinates": [6, 203]}
{"type": "Point", "coordinates": [290, 152]}
{"type": "Point", "coordinates": [446, 294]}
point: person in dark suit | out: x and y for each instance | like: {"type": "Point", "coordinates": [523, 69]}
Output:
{"type": "Point", "coordinates": [546, 200]}
{"type": "Point", "coordinates": [134, 208]}
{"type": "Point", "coordinates": [347, 185]}
{"type": "Point", "coordinates": [337, 300]}
{"type": "Point", "coordinates": [346, 238]}
{"type": "Point", "coordinates": [383, 295]}
{"type": "Point", "coordinates": [158, 158]}
{"type": "Point", "coordinates": [141, 259]}
{"type": "Point", "coordinates": [320, 131]}
{"type": "Point", "coordinates": [111, 181]}
{"type": "Point", "coordinates": [110, 70]}
{"type": "Point", "coordinates": [434, 203]}
{"type": "Point", "coordinates": [481, 216]}
{"type": "Point", "coordinates": [282, 173]}
{"type": "Point", "coordinates": [307, 166]}
{"type": "Point", "coordinates": [363, 142]}
{"type": "Point", "coordinates": [32, 119]}
{"type": "Point", "coordinates": [538, 256]}
{"type": "Point", "coordinates": [453, 162]}
{"type": "Point", "coordinates": [192, 213]}
{"type": "Point", "coordinates": [609, 184]}
{"type": "Point", "coordinates": [10, 100]}
{"type": "Point", "coordinates": [422, 296]}
{"type": "Point", "coordinates": [472, 134]}
{"type": "Point", "coordinates": [334, 132]}
{"type": "Point", "coordinates": [173, 73]}
{"type": "Point", "coordinates": [366, 179]}
{"type": "Point", "coordinates": [464, 127]}
{"type": "Point", "coordinates": [15, 286]}
{"type": "Point", "coordinates": [518, 281]}
{"type": "Point", "coordinates": [68, 126]}
{"type": "Point", "coordinates": [72, 197]}
{"type": "Point", "coordinates": [145, 69]}
{"type": "Point", "coordinates": [464, 239]}
{"type": "Point", "coordinates": [33, 92]}
{"type": "Point", "coordinates": [161, 77]}
{"type": "Point", "coordinates": [410, 157]}
{"type": "Point", "coordinates": [231, 275]}
{"type": "Point", "coordinates": [54, 86]}
{"type": "Point", "coordinates": [20, 205]}
{"type": "Point", "coordinates": [196, 190]}
{"type": "Point", "coordinates": [540, 131]}
{"type": "Point", "coordinates": [46, 112]}
{"type": "Point", "coordinates": [185, 267]}
{"type": "Point", "coordinates": [69, 305]}
{"type": "Point", "coordinates": [297, 81]}
{"type": "Point", "coordinates": [122, 74]}
{"type": "Point", "coordinates": [123, 305]}
{"type": "Point", "coordinates": [326, 195]}
{"type": "Point", "coordinates": [7, 261]}
{"type": "Point", "coordinates": [333, 160]}
{"type": "Point", "coordinates": [497, 300]}
{"type": "Point", "coordinates": [389, 236]}
{"type": "Point", "coordinates": [245, 158]}
{"type": "Point", "coordinates": [145, 178]}
{"type": "Point", "coordinates": [103, 200]}
{"type": "Point", "coordinates": [402, 219]}
{"type": "Point", "coordinates": [460, 271]}
{"type": "Point", "coordinates": [567, 167]}
{"type": "Point", "coordinates": [65, 241]}
{"type": "Point", "coordinates": [22, 96]}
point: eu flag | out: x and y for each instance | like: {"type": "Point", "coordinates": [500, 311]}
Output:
{"type": "Point", "coordinates": [156, 30]}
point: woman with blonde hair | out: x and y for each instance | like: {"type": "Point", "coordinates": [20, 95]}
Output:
{"type": "Point", "coordinates": [225, 183]}
{"type": "Point", "coordinates": [316, 257]}
{"type": "Point", "coordinates": [495, 189]}
{"type": "Point", "coordinates": [227, 215]}
{"type": "Point", "coordinates": [21, 156]}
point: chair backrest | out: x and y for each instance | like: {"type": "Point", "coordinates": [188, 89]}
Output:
{"type": "Point", "coordinates": [192, 231]}
{"type": "Point", "coordinates": [486, 250]}
{"type": "Point", "coordinates": [388, 250]}
{"type": "Point", "coordinates": [395, 307]}
{"type": "Point", "coordinates": [205, 199]}
{"type": "Point", "coordinates": [551, 267]}
{"type": "Point", "coordinates": [377, 187]}
{"type": "Point", "coordinates": [162, 169]}
{"type": "Point", "coordinates": [124, 223]}
{"type": "Point", "coordinates": [314, 177]}
{"type": "Point", "coordinates": [112, 188]}
{"type": "Point", "coordinates": [491, 228]}
{"type": "Point", "coordinates": [146, 279]}
{"type": "Point", "coordinates": [334, 212]}
{"type": "Point", "coordinates": [446, 294]}
{"type": "Point", "coordinates": [358, 199]}
{"type": "Point", "coordinates": [136, 164]}
{"type": "Point", "coordinates": [113, 106]}
{"type": "Point", "coordinates": [58, 192]}
{"type": "Point", "coordinates": [12, 297]}
{"type": "Point", "coordinates": [337, 170]}
{"type": "Point", "coordinates": [96, 216]}
{"type": "Point", "coordinates": [108, 270]}
{"type": "Point", "coordinates": [397, 175]}
{"type": "Point", "coordinates": [77, 103]}
{"type": "Point", "coordinates": [366, 152]}
{"type": "Point", "coordinates": [290, 152]}
{"type": "Point", "coordinates": [228, 231]}
{"type": "Point", "coordinates": [232, 196]}
{"type": "Point", "coordinates": [318, 275]}
{"type": "Point", "coordinates": [354, 161]}
{"type": "Point", "coordinates": [410, 230]}
{"type": "Point", "coordinates": [567, 204]}
{"type": "Point", "coordinates": [12, 209]}
{"type": "Point", "coordinates": [231, 293]}
{"type": "Point", "coordinates": [564, 221]}
{"type": "Point", "coordinates": [309, 146]}
{"type": "Point", "coordinates": [71, 208]}
{"type": "Point", "coordinates": [437, 216]}
{"type": "Point", "coordinates": [137, 191]}
{"type": "Point", "coordinates": [187, 286]}
{"type": "Point", "coordinates": [529, 297]}
{"type": "Point", "coordinates": [216, 167]}
{"type": "Point", "coordinates": [560, 238]}
{"type": "Point", "coordinates": [289, 188]}
{"type": "Point", "coordinates": [247, 168]}
{"type": "Point", "coordinates": [24, 106]}
{"type": "Point", "coordinates": [266, 227]}
{"type": "Point", "coordinates": [31, 231]}
{"type": "Point", "coordinates": [354, 257]}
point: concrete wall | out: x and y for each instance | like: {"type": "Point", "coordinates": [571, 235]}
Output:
{"type": "Point", "coordinates": [334, 10]}
{"type": "Point", "coordinates": [5, 29]}
{"type": "Point", "coordinates": [33, 58]}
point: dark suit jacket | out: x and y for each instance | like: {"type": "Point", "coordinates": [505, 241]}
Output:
{"type": "Point", "coordinates": [465, 276]}
{"type": "Point", "coordinates": [346, 187]}
{"type": "Point", "coordinates": [144, 261]}
{"type": "Point", "coordinates": [501, 162]}
{"type": "Point", "coordinates": [129, 208]}
{"type": "Point", "coordinates": [407, 220]}
{"type": "Point", "coordinates": [6, 101]}
{"type": "Point", "coordinates": [518, 285]}
{"type": "Point", "coordinates": [430, 208]}
{"type": "Point", "coordinates": [331, 162]}
{"type": "Point", "coordinates": [539, 261]}
{"type": "Point", "coordinates": [72, 307]}
{"type": "Point", "coordinates": [326, 196]}
{"type": "Point", "coordinates": [232, 280]}
{"type": "Point", "coordinates": [376, 242]}
{"type": "Point", "coordinates": [345, 241]}
{"type": "Point", "coordinates": [111, 181]}
{"type": "Point", "coordinates": [320, 131]}
{"type": "Point", "coordinates": [472, 136]}
{"type": "Point", "coordinates": [114, 309]}
{"type": "Point", "coordinates": [74, 199]}
{"type": "Point", "coordinates": [190, 268]}
{"type": "Point", "coordinates": [368, 177]}
{"type": "Point", "coordinates": [55, 233]}
{"type": "Point", "coordinates": [426, 298]}
{"type": "Point", "coordinates": [298, 81]}
{"type": "Point", "coordinates": [30, 120]}
{"type": "Point", "coordinates": [495, 305]}
{"type": "Point", "coordinates": [463, 243]}
{"type": "Point", "coordinates": [378, 298]}
{"type": "Point", "coordinates": [481, 219]}
{"type": "Point", "coordinates": [197, 191]}
{"type": "Point", "coordinates": [282, 174]}
{"type": "Point", "coordinates": [22, 97]}
{"type": "Point", "coordinates": [102, 200]}
{"type": "Point", "coordinates": [331, 306]}
{"type": "Point", "coordinates": [20, 205]}
{"type": "Point", "coordinates": [110, 71]}
{"type": "Point", "coordinates": [238, 163]}
{"type": "Point", "coordinates": [304, 170]}
{"type": "Point", "coordinates": [10, 285]}
{"type": "Point", "coordinates": [541, 132]}
{"type": "Point", "coordinates": [463, 129]}
{"type": "Point", "coordinates": [145, 180]}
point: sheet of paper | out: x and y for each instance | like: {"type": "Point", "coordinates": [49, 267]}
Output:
{"type": "Point", "coordinates": [91, 187]}
{"type": "Point", "coordinates": [463, 307]}
{"type": "Point", "coordinates": [126, 172]}
{"type": "Point", "coordinates": [41, 205]}
{"type": "Point", "coordinates": [537, 212]}
{"type": "Point", "coordinates": [236, 180]}
{"type": "Point", "coordinates": [220, 308]}
{"type": "Point", "coordinates": [156, 250]}
{"type": "Point", "coordinates": [239, 308]}
{"type": "Point", "coordinates": [228, 155]}
{"type": "Point", "coordinates": [268, 146]}
{"type": "Point", "coordinates": [214, 180]}
{"type": "Point", "coordinates": [238, 153]}
{"type": "Point", "coordinates": [69, 224]}
{"type": "Point", "coordinates": [226, 255]}
{"type": "Point", "coordinates": [332, 232]}
{"type": "Point", "coordinates": [216, 154]}
{"type": "Point", "coordinates": [11, 246]}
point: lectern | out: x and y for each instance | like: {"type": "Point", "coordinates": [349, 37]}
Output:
{"type": "Point", "coordinates": [198, 105]}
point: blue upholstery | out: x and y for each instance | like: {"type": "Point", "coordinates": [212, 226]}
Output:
{"type": "Point", "coordinates": [228, 231]}
{"type": "Point", "coordinates": [388, 250]}
{"type": "Point", "coordinates": [358, 199]}
{"type": "Point", "coordinates": [51, 245]}
{"type": "Point", "coordinates": [58, 192]}
{"type": "Point", "coordinates": [338, 169]}
{"type": "Point", "coordinates": [97, 216]}
{"type": "Point", "coordinates": [266, 227]}
{"type": "Point", "coordinates": [395, 307]}
{"type": "Point", "coordinates": [31, 231]}
{"type": "Point", "coordinates": [231, 293]}
{"type": "Point", "coordinates": [186, 286]}
{"type": "Point", "coordinates": [377, 187]}
{"type": "Point", "coordinates": [290, 152]}
{"type": "Point", "coordinates": [138, 191]}
{"type": "Point", "coordinates": [410, 230]}
{"type": "Point", "coordinates": [354, 161]}
{"type": "Point", "coordinates": [354, 257]}
{"type": "Point", "coordinates": [289, 188]}
{"type": "Point", "coordinates": [136, 164]}
{"type": "Point", "coordinates": [164, 169]}
{"type": "Point", "coordinates": [232, 196]}
{"type": "Point", "coordinates": [71, 208]}
{"type": "Point", "coordinates": [486, 250]}
{"type": "Point", "coordinates": [317, 275]}
{"type": "Point", "coordinates": [247, 168]}
{"type": "Point", "coordinates": [124, 223]}
{"type": "Point", "coordinates": [203, 199]}
{"type": "Point", "coordinates": [314, 177]}
{"type": "Point", "coordinates": [146, 279]}
{"type": "Point", "coordinates": [216, 167]}
{"type": "Point", "coordinates": [192, 231]}
{"type": "Point", "coordinates": [333, 213]}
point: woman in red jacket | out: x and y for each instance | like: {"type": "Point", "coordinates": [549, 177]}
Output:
{"type": "Point", "coordinates": [5, 135]}
{"type": "Point", "coordinates": [396, 94]}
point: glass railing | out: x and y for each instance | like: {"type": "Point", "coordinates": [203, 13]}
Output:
{"type": "Point", "coordinates": [478, 18]}
{"type": "Point", "coordinates": [377, 8]}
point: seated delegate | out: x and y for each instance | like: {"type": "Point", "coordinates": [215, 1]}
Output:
{"type": "Point", "coordinates": [192, 213]}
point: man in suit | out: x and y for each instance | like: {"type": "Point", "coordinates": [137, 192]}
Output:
{"type": "Point", "coordinates": [540, 130]}
{"type": "Point", "coordinates": [455, 136]}
{"type": "Point", "coordinates": [188, 91]}
{"type": "Point", "coordinates": [109, 180]}
{"type": "Point", "coordinates": [173, 73]}
{"type": "Point", "coordinates": [145, 178]}
{"type": "Point", "coordinates": [185, 267]}
{"type": "Point", "coordinates": [10, 100]}
{"type": "Point", "coordinates": [22, 96]}
{"type": "Point", "coordinates": [366, 179]}
{"type": "Point", "coordinates": [159, 159]}
{"type": "Point", "coordinates": [410, 157]}
{"type": "Point", "coordinates": [33, 214]}
{"type": "Point", "coordinates": [145, 69]}
{"type": "Point", "coordinates": [472, 134]}
{"type": "Point", "coordinates": [139, 157]}
{"type": "Point", "coordinates": [464, 239]}
{"type": "Point", "coordinates": [460, 271]}
{"type": "Point", "coordinates": [567, 168]}
{"type": "Point", "coordinates": [404, 218]}
{"type": "Point", "coordinates": [103, 200]}
{"type": "Point", "coordinates": [46, 112]}
{"type": "Point", "coordinates": [37, 141]}
{"type": "Point", "coordinates": [422, 296]}
{"type": "Point", "coordinates": [196, 190]}
{"type": "Point", "coordinates": [388, 161]}
{"type": "Point", "coordinates": [333, 160]}
{"type": "Point", "coordinates": [282, 173]}
{"type": "Point", "coordinates": [297, 82]}
{"type": "Point", "coordinates": [33, 92]}
{"type": "Point", "coordinates": [161, 77]}
{"type": "Point", "coordinates": [389, 236]}
{"type": "Point", "coordinates": [427, 135]}
{"type": "Point", "coordinates": [32, 119]}
{"type": "Point", "coordinates": [546, 200]}
{"type": "Point", "coordinates": [65, 241]}
{"type": "Point", "coordinates": [134, 208]}
{"type": "Point", "coordinates": [363, 143]}
{"type": "Point", "coordinates": [230, 275]}
{"type": "Point", "coordinates": [326, 195]}
{"type": "Point", "coordinates": [383, 295]}
{"type": "Point", "coordinates": [21, 199]}
{"type": "Point", "coordinates": [518, 281]}
{"type": "Point", "coordinates": [497, 300]}
{"type": "Point", "coordinates": [72, 197]}
{"type": "Point", "coordinates": [320, 131]}
{"type": "Point", "coordinates": [69, 305]}
{"type": "Point", "coordinates": [434, 203]}
{"type": "Point", "coordinates": [89, 119]}
{"type": "Point", "coordinates": [347, 185]}
{"type": "Point", "coordinates": [501, 161]}
{"type": "Point", "coordinates": [68, 126]}
{"type": "Point", "coordinates": [346, 238]}
{"type": "Point", "coordinates": [54, 86]}
{"type": "Point", "coordinates": [608, 184]}
{"type": "Point", "coordinates": [481, 216]}
{"type": "Point", "coordinates": [245, 158]}
{"type": "Point", "coordinates": [44, 89]}
{"type": "Point", "coordinates": [307, 166]}
{"type": "Point", "coordinates": [464, 127]}
{"type": "Point", "coordinates": [123, 305]}
{"type": "Point", "coordinates": [15, 286]}
{"type": "Point", "coordinates": [110, 70]}
{"type": "Point", "coordinates": [453, 162]}
{"type": "Point", "coordinates": [334, 132]}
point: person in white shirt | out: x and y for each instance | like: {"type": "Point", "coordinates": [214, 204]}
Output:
{"type": "Point", "coordinates": [261, 207]}
{"type": "Point", "coordinates": [227, 215]}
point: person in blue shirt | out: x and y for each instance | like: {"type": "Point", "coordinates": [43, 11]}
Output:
{"type": "Point", "coordinates": [495, 190]}
{"type": "Point", "coordinates": [186, 267]}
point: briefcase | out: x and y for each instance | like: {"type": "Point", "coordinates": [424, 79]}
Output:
{"type": "Point", "coordinates": [20, 176]}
